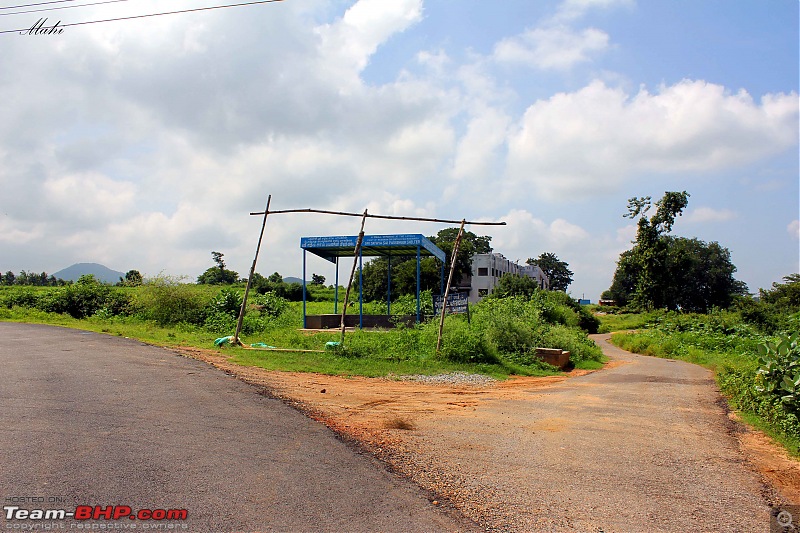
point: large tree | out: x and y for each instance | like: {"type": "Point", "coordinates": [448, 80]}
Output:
{"type": "Point", "coordinates": [218, 274]}
{"type": "Point", "coordinates": [557, 271]}
{"type": "Point", "coordinates": [470, 245]}
{"type": "Point", "coordinates": [666, 272]}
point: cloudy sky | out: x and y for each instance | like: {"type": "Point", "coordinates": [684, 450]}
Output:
{"type": "Point", "coordinates": [145, 144]}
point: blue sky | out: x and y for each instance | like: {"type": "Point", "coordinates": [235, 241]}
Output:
{"type": "Point", "coordinates": [145, 144]}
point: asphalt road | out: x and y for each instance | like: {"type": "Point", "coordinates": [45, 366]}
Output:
{"type": "Point", "coordinates": [90, 419]}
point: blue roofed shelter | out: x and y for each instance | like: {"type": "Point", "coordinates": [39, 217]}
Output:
{"type": "Point", "coordinates": [332, 248]}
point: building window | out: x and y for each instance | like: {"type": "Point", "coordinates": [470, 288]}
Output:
{"type": "Point", "coordinates": [483, 271]}
{"type": "Point", "coordinates": [483, 292]}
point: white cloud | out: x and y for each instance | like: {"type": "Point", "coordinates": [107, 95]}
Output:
{"type": "Point", "coordinates": [709, 214]}
{"type": "Point", "coordinates": [574, 9]}
{"type": "Point", "coordinates": [794, 228]}
{"type": "Point", "coordinates": [477, 149]}
{"type": "Point", "coordinates": [551, 48]}
{"type": "Point", "coordinates": [348, 43]}
{"type": "Point", "coordinates": [577, 144]}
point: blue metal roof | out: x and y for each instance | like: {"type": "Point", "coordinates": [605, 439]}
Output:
{"type": "Point", "coordinates": [386, 245]}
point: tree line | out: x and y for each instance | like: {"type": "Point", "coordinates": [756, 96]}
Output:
{"type": "Point", "coordinates": [31, 279]}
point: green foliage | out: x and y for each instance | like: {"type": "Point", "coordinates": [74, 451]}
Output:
{"type": "Point", "coordinates": [462, 343]}
{"type": "Point", "coordinates": [227, 301]}
{"type": "Point", "coordinates": [167, 301]}
{"type": "Point", "coordinates": [557, 271]}
{"type": "Point", "coordinates": [779, 370]}
{"type": "Point", "coordinates": [218, 275]}
{"type": "Point", "coordinates": [289, 291]}
{"type": "Point", "coordinates": [407, 304]}
{"type": "Point", "coordinates": [664, 272]}
{"type": "Point", "coordinates": [81, 299]}
{"type": "Point", "coordinates": [270, 304]}
{"type": "Point", "coordinates": [133, 278]}
{"type": "Point", "coordinates": [515, 285]}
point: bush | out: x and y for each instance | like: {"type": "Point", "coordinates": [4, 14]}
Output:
{"type": "Point", "coordinates": [778, 375]}
{"type": "Point", "coordinates": [270, 304]}
{"type": "Point", "coordinates": [227, 301]}
{"type": "Point", "coordinates": [167, 301]}
{"type": "Point", "coordinates": [464, 344]}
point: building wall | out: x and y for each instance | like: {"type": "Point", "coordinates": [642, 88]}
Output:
{"type": "Point", "coordinates": [487, 269]}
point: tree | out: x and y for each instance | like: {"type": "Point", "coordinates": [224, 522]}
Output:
{"type": "Point", "coordinates": [133, 278]}
{"type": "Point", "coordinates": [557, 271]}
{"type": "Point", "coordinates": [784, 296]}
{"type": "Point", "coordinates": [219, 274]}
{"type": "Point", "coordinates": [217, 257]}
{"type": "Point", "coordinates": [470, 245]}
{"type": "Point", "coordinates": [275, 278]}
{"type": "Point", "coordinates": [515, 285]}
{"type": "Point", "coordinates": [316, 279]}
{"type": "Point", "coordinates": [651, 290]}
{"type": "Point", "coordinates": [666, 272]}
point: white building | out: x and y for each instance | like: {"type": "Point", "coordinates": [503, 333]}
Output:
{"type": "Point", "coordinates": [487, 269]}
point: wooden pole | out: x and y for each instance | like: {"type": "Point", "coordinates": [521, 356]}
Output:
{"type": "Point", "coordinates": [236, 340]}
{"type": "Point", "coordinates": [449, 280]}
{"type": "Point", "coordinates": [352, 273]}
{"type": "Point", "coordinates": [385, 217]}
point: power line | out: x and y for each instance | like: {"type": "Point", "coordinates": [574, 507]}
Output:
{"type": "Point", "coordinates": [60, 7]}
{"type": "Point", "coordinates": [37, 4]}
{"type": "Point", "coordinates": [152, 15]}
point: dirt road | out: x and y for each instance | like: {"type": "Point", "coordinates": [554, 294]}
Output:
{"type": "Point", "coordinates": [644, 445]}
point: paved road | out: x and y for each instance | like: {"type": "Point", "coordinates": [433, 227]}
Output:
{"type": "Point", "coordinates": [99, 420]}
{"type": "Point", "coordinates": [641, 447]}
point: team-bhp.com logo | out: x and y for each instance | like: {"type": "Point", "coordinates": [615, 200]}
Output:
{"type": "Point", "coordinates": [96, 512]}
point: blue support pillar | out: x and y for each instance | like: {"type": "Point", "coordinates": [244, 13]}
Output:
{"type": "Point", "coordinates": [304, 289]}
{"type": "Point", "coordinates": [336, 290]}
{"type": "Point", "coordinates": [389, 286]}
{"type": "Point", "coordinates": [360, 290]}
{"type": "Point", "coordinates": [418, 276]}
{"type": "Point", "coordinates": [441, 281]}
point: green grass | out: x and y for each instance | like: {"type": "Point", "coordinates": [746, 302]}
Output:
{"type": "Point", "coordinates": [388, 363]}
{"type": "Point", "coordinates": [611, 322]}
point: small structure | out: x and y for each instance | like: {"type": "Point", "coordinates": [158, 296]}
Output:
{"type": "Point", "coordinates": [332, 248]}
{"type": "Point", "coordinates": [487, 269]}
{"type": "Point", "coordinates": [554, 356]}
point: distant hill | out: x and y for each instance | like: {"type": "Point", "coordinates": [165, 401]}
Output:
{"type": "Point", "coordinates": [102, 273]}
{"type": "Point", "coordinates": [292, 280]}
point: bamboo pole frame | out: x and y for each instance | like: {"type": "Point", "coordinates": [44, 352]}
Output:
{"type": "Point", "coordinates": [357, 250]}
{"type": "Point", "coordinates": [385, 217]}
{"type": "Point", "coordinates": [356, 255]}
{"type": "Point", "coordinates": [240, 320]}
{"type": "Point", "coordinates": [449, 281]}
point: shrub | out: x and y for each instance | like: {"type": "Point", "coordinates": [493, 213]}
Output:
{"type": "Point", "coordinates": [778, 374]}
{"type": "Point", "coordinates": [462, 343]}
{"type": "Point", "coordinates": [227, 301]}
{"type": "Point", "coordinates": [167, 301]}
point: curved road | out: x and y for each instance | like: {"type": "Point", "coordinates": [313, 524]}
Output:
{"type": "Point", "coordinates": [643, 446]}
{"type": "Point", "coordinates": [91, 419]}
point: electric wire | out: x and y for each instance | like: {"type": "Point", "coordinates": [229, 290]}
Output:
{"type": "Point", "coordinates": [132, 17]}
{"type": "Point", "coordinates": [61, 7]}
{"type": "Point", "coordinates": [37, 4]}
